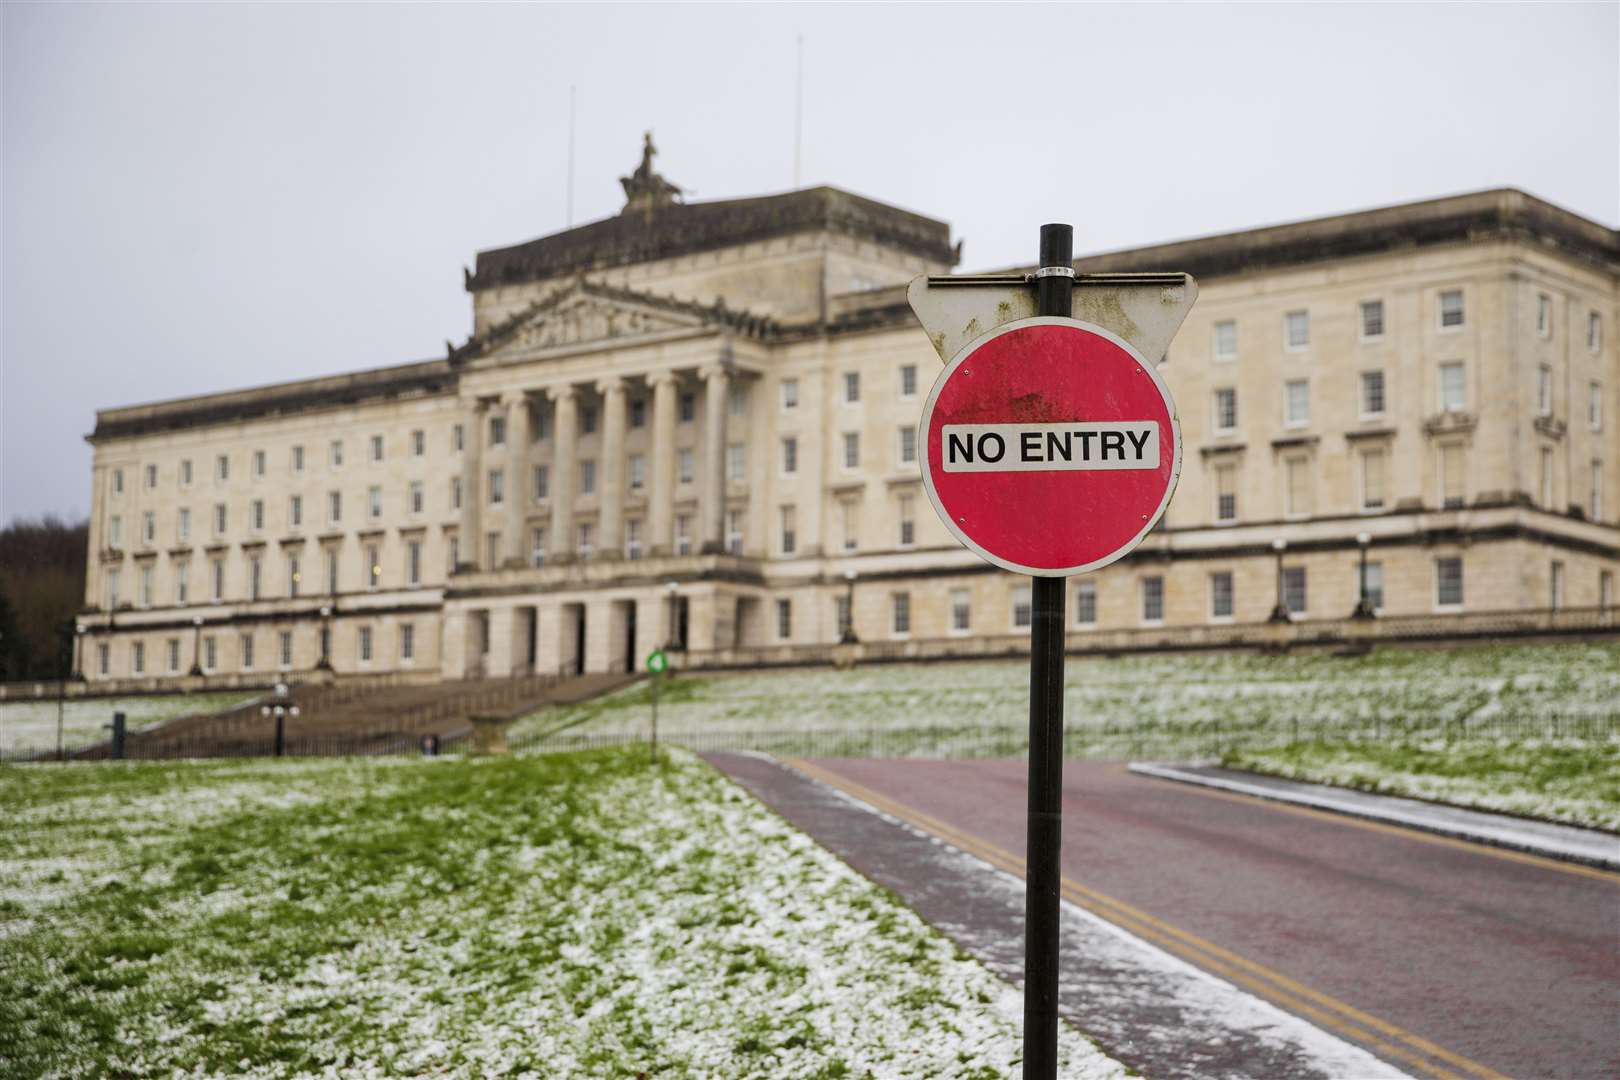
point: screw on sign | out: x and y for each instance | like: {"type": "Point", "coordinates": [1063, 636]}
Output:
{"type": "Point", "coordinates": [1051, 446]}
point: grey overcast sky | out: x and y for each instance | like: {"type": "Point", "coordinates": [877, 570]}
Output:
{"type": "Point", "coordinates": [200, 198]}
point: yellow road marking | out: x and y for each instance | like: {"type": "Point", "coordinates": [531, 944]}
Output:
{"type": "Point", "coordinates": [1407, 832]}
{"type": "Point", "coordinates": [1265, 982]}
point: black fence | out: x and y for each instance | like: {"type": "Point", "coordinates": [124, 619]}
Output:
{"type": "Point", "coordinates": [1181, 740]}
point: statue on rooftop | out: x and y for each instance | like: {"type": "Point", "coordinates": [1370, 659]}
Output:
{"type": "Point", "coordinates": [644, 189]}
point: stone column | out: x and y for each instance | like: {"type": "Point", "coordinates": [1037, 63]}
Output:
{"type": "Point", "coordinates": [661, 478]}
{"type": "Point", "coordinates": [518, 488]}
{"type": "Point", "coordinates": [611, 518]}
{"type": "Point", "coordinates": [564, 472]}
{"type": "Point", "coordinates": [716, 386]}
{"type": "Point", "coordinates": [472, 446]}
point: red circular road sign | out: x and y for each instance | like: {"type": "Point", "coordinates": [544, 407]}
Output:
{"type": "Point", "coordinates": [1050, 446]}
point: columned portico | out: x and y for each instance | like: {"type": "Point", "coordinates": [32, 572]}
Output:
{"type": "Point", "coordinates": [517, 457]}
{"type": "Point", "coordinates": [662, 481]}
{"type": "Point", "coordinates": [611, 543]}
{"type": "Point", "coordinates": [716, 391]}
{"type": "Point", "coordinates": [565, 469]}
{"type": "Point", "coordinates": [472, 445]}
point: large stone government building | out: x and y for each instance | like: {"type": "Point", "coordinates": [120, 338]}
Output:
{"type": "Point", "coordinates": [693, 424]}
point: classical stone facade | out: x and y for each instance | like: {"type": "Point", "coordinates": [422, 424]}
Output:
{"type": "Point", "coordinates": [693, 425]}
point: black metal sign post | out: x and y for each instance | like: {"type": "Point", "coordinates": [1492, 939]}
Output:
{"type": "Point", "coordinates": [1054, 284]}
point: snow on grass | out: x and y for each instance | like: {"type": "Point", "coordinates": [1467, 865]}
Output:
{"type": "Point", "coordinates": [564, 915]}
{"type": "Point", "coordinates": [1191, 693]}
{"type": "Point", "coordinates": [1576, 781]}
{"type": "Point", "coordinates": [26, 725]}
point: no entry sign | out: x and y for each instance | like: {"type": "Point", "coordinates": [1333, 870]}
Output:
{"type": "Point", "coordinates": [1050, 446]}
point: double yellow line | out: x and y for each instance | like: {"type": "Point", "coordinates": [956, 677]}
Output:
{"type": "Point", "coordinates": [1389, 1041]}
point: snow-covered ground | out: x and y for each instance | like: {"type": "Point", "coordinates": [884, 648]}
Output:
{"type": "Point", "coordinates": [26, 725]}
{"type": "Point", "coordinates": [588, 915]}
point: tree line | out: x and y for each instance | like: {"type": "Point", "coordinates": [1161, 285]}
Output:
{"type": "Point", "coordinates": [42, 567]}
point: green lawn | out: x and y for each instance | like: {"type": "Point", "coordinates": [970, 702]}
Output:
{"type": "Point", "coordinates": [32, 724]}
{"type": "Point", "coordinates": [1577, 782]}
{"type": "Point", "coordinates": [547, 916]}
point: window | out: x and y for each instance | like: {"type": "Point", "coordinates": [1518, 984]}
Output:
{"type": "Point", "coordinates": [255, 578]}
{"type": "Point", "coordinates": [210, 653]}
{"type": "Point", "coordinates": [843, 617]}
{"type": "Point", "coordinates": [454, 551]}
{"type": "Point", "coordinates": [492, 551]}
{"type": "Point", "coordinates": [901, 613]}
{"type": "Point", "coordinates": [790, 538]}
{"type": "Point", "coordinates": [850, 513]}
{"type": "Point", "coordinates": [1544, 390]}
{"type": "Point", "coordinates": [1225, 409]}
{"type": "Point", "coordinates": [542, 424]}
{"type": "Point", "coordinates": [1605, 590]}
{"type": "Point", "coordinates": [364, 646]}
{"type": "Point", "coordinates": [218, 568]}
{"type": "Point", "coordinates": [112, 589]}
{"type": "Point", "coordinates": [418, 497]}
{"type": "Point", "coordinates": [331, 557]}
{"type": "Point", "coordinates": [413, 562]}
{"type": "Point", "coordinates": [1023, 610]}
{"type": "Point", "coordinates": [638, 412]}
{"type": "Point", "coordinates": [686, 406]}
{"type": "Point", "coordinates": [739, 400]}
{"type": "Point", "coordinates": [1226, 493]}
{"type": "Point", "coordinates": [1153, 599]}
{"type": "Point", "coordinates": [734, 532]}
{"type": "Point", "coordinates": [683, 534]}
{"type": "Point", "coordinates": [296, 462]}
{"type": "Point", "coordinates": [908, 380]}
{"type": "Point", "coordinates": [784, 619]}
{"type": "Point", "coordinates": [1293, 581]}
{"type": "Point", "coordinates": [908, 444]}
{"type": "Point", "coordinates": [151, 478]}
{"type": "Point", "coordinates": [542, 479]}
{"type": "Point", "coordinates": [1297, 330]}
{"type": "Point", "coordinates": [685, 465]}
{"type": "Point", "coordinates": [334, 507]}
{"type": "Point", "coordinates": [182, 581]}
{"type": "Point", "coordinates": [174, 654]}
{"type": "Point", "coordinates": [1297, 403]}
{"type": "Point", "coordinates": [407, 642]}
{"type": "Point", "coordinates": [587, 419]}
{"type": "Point", "coordinates": [286, 648]}
{"type": "Point", "coordinates": [295, 511]}
{"type": "Point", "coordinates": [115, 532]}
{"type": "Point", "coordinates": [790, 394]}
{"type": "Point", "coordinates": [1594, 498]}
{"type": "Point", "coordinates": [1547, 477]}
{"type": "Point", "coordinates": [222, 468]}
{"type": "Point", "coordinates": [148, 528]}
{"type": "Point", "coordinates": [908, 521]}
{"type": "Point", "coordinates": [852, 387]}
{"type": "Point", "coordinates": [852, 449]}
{"type": "Point", "coordinates": [1220, 594]}
{"type": "Point", "coordinates": [587, 477]}
{"type": "Point", "coordinates": [258, 464]}
{"type": "Point", "coordinates": [1543, 315]}
{"type": "Point", "coordinates": [1453, 387]}
{"type": "Point", "coordinates": [736, 463]}
{"type": "Point", "coordinates": [1453, 492]}
{"type": "Point", "coordinates": [1372, 478]}
{"type": "Point", "coordinates": [1448, 581]}
{"type": "Point", "coordinates": [632, 538]}
{"type": "Point", "coordinates": [182, 525]}
{"type": "Point", "coordinates": [497, 431]}
{"type": "Point", "coordinates": [137, 658]}
{"type": "Point", "coordinates": [1594, 332]}
{"type": "Point", "coordinates": [219, 519]}
{"type": "Point", "coordinates": [1226, 340]}
{"type": "Point", "coordinates": [334, 454]}
{"type": "Point", "coordinates": [185, 468]}
{"type": "Point", "coordinates": [790, 456]}
{"type": "Point", "coordinates": [118, 481]}
{"type": "Point", "coordinates": [961, 611]}
{"type": "Point", "coordinates": [638, 471]}
{"type": "Point", "coordinates": [1594, 406]}
{"type": "Point", "coordinates": [455, 493]}
{"type": "Point", "coordinates": [1372, 320]}
{"type": "Point", "coordinates": [587, 540]}
{"type": "Point", "coordinates": [104, 657]}
{"type": "Point", "coordinates": [294, 575]}
{"type": "Point", "coordinates": [458, 438]}
{"type": "Point", "coordinates": [418, 443]}
{"type": "Point", "coordinates": [1297, 485]}
{"type": "Point", "coordinates": [1451, 309]}
{"type": "Point", "coordinates": [146, 585]}
{"type": "Point", "coordinates": [497, 487]}
{"type": "Point", "coordinates": [1085, 603]}
{"type": "Point", "coordinates": [537, 546]}
{"type": "Point", "coordinates": [1375, 585]}
{"type": "Point", "coordinates": [1372, 394]}
{"type": "Point", "coordinates": [1555, 583]}
{"type": "Point", "coordinates": [256, 515]}
{"type": "Point", "coordinates": [376, 448]}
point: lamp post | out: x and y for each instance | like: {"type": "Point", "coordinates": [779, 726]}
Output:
{"type": "Point", "coordinates": [1364, 606]}
{"type": "Point", "coordinates": [1279, 614]}
{"type": "Point", "coordinates": [846, 635]}
{"type": "Point", "coordinates": [325, 663]}
{"type": "Point", "coordinates": [78, 652]}
{"type": "Point", "coordinates": [280, 712]}
{"type": "Point", "coordinates": [196, 646]}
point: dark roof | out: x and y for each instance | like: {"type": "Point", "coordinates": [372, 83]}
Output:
{"type": "Point", "coordinates": [685, 228]}
{"type": "Point", "coordinates": [401, 380]}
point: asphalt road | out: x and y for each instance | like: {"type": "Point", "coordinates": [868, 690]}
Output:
{"type": "Point", "coordinates": [1442, 957]}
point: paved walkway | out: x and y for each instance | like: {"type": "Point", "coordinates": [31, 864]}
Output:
{"type": "Point", "coordinates": [1589, 846]}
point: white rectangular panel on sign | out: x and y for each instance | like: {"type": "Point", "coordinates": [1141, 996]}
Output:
{"type": "Point", "coordinates": [1050, 447]}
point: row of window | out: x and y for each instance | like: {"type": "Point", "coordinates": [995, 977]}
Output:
{"type": "Point", "coordinates": [257, 586]}
{"type": "Point", "coordinates": [209, 647]}
{"type": "Point", "coordinates": [1450, 314]}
